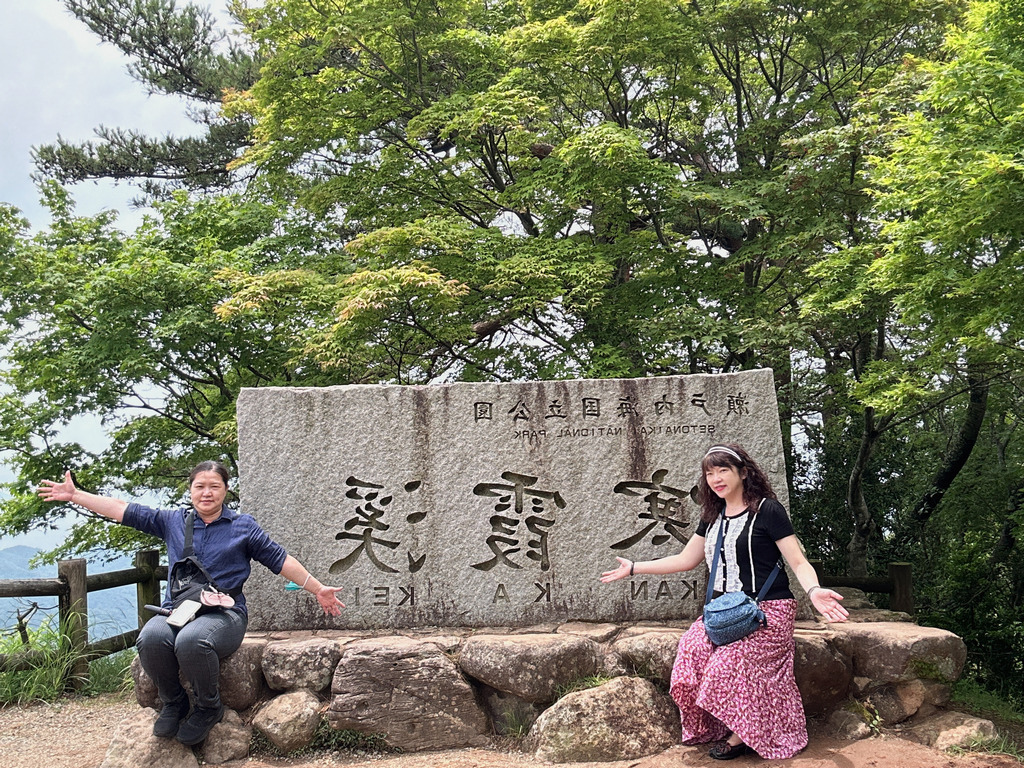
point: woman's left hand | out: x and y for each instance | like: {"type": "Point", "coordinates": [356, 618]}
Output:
{"type": "Point", "coordinates": [827, 603]}
{"type": "Point", "coordinates": [328, 599]}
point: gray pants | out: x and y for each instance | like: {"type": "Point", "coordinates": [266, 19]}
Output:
{"type": "Point", "coordinates": [195, 649]}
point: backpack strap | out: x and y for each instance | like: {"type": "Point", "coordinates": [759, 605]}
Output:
{"type": "Point", "coordinates": [714, 566]}
{"type": "Point", "coordinates": [190, 524]}
{"type": "Point", "coordinates": [189, 553]}
{"type": "Point", "coordinates": [714, 559]}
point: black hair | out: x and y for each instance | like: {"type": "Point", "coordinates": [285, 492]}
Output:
{"type": "Point", "coordinates": [210, 466]}
{"type": "Point", "coordinates": [756, 485]}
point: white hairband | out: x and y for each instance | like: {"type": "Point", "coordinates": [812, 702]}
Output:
{"type": "Point", "coordinates": [723, 449]}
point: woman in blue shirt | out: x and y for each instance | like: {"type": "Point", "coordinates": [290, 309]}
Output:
{"type": "Point", "coordinates": [225, 542]}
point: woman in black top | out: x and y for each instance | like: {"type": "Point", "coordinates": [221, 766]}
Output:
{"type": "Point", "coordinates": [742, 694]}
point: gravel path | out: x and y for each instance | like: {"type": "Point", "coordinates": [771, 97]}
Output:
{"type": "Point", "coordinates": [75, 733]}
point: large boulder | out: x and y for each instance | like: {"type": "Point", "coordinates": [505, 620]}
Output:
{"type": "Point", "coordinates": [135, 745]}
{"type": "Point", "coordinates": [623, 719]}
{"type": "Point", "coordinates": [650, 655]}
{"type": "Point", "coordinates": [229, 740]}
{"type": "Point", "coordinates": [241, 678]}
{"type": "Point", "coordinates": [895, 652]}
{"type": "Point", "coordinates": [896, 702]}
{"type": "Point", "coordinates": [532, 667]}
{"type": "Point", "coordinates": [309, 663]}
{"type": "Point", "coordinates": [408, 691]}
{"type": "Point", "coordinates": [823, 674]}
{"type": "Point", "coordinates": [950, 729]}
{"type": "Point", "coordinates": [241, 674]}
{"type": "Point", "coordinates": [290, 720]}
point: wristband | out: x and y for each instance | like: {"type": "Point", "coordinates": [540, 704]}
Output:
{"type": "Point", "coordinates": [631, 564]}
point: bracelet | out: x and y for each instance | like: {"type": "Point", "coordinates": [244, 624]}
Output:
{"type": "Point", "coordinates": [308, 577]}
{"type": "Point", "coordinates": [631, 564]}
{"type": "Point", "coordinates": [816, 586]}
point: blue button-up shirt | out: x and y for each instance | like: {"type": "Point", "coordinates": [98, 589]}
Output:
{"type": "Point", "coordinates": [225, 547]}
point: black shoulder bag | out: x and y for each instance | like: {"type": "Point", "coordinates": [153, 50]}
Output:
{"type": "Point", "coordinates": [188, 578]}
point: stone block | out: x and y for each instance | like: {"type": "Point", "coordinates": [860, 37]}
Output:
{"type": "Point", "coordinates": [650, 655]}
{"type": "Point", "coordinates": [489, 504]}
{"type": "Point", "coordinates": [823, 674]}
{"type": "Point", "coordinates": [302, 663]}
{"type": "Point", "coordinates": [228, 740]}
{"type": "Point", "coordinates": [145, 688]}
{"type": "Point", "coordinates": [892, 652]}
{"type": "Point", "coordinates": [135, 745]}
{"type": "Point", "coordinates": [951, 729]}
{"type": "Point", "coordinates": [624, 719]}
{"type": "Point", "coordinates": [532, 667]}
{"type": "Point", "coordinates": [408, 691]}
{"type": "Point", "coordinates": [241, 675]}
{"type": "Point", "coordinates": [290, 720]}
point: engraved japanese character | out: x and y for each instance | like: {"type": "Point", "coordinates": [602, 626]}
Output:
{"type": "Point", "coordinates": [510, 508]}
{"type": "Point", "coordinates": [665, 507]}
{"type": "Point", "coordinates": [367, 526]}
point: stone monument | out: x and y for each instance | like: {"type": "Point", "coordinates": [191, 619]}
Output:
{"type": "Point", "coordinates": [491, 504]}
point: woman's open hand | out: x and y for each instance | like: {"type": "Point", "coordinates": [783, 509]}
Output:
{"type": "Point", "coordinates": [328, 599]}
{"type": "Point", "coordinates": [827, 603]}
{"type": "Point", "coordinates": [58, 491]}
{"type": "Point", "coordinates": [619, 573]}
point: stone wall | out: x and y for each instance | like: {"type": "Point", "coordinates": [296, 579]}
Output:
{"type": "Point", "coordinates": [428, 690]}
{"type": "Point", "coordinates": [493, 504]}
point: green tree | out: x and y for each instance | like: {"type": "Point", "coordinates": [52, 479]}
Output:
{"type": "Point", "coordinates": [174, 51]}
{"type": "Point", "coordinates": [616, 189]}
{"type": "Point", "coordinates": [123, 327]}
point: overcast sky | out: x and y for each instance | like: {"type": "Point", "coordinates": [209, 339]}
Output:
{"type": "Point", "coordinates": [58, 79]}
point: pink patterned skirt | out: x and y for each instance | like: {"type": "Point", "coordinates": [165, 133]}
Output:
{"type": "Point", "coordinates": [746, 687]}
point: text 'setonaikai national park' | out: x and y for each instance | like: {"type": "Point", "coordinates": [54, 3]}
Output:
{"type": "Point", "coordinates": [493, 504]}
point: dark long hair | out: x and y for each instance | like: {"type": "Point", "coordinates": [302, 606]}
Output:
{"type": "Point", "coordinates": [756, 485]}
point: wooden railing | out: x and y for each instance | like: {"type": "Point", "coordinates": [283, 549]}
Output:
{"type": "Point", "coordinates": [899, 584]}
{"type": "Point", "coordinates": [72, 587]}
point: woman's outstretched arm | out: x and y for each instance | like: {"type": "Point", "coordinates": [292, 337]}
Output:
{"type": "Point", "coordinates": [327, 596]}
{"type": "Point", "coordinates": [691, 556]}
{"type": "Point", "coordinates": [65, 490]}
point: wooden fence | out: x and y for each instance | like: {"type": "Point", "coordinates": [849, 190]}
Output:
{"type": "Point", "coordinates": [899, 584]}
{"type": "Point", "coordinates": [72, 587]}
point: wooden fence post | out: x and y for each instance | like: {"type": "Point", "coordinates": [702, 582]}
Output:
{"type": "Point", "coordinates": [73, 615]}
{"type": "Point", "coordinates": [902, 587]}
{"type": "Point", "coordinates": [148, 589]}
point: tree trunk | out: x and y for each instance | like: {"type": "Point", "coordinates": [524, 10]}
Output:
{"type": "Point", "coordinates": [863, 524]}
{"type": "Point", "coordinates": [959, 450]}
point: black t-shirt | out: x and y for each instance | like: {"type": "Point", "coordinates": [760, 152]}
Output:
{"type": "Point", "coordinates": [749, 551]}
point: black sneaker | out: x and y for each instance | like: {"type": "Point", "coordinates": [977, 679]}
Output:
{"type": "Point", "coordinates": [170, 718]}
{"type": "Point", "coordinates": [199, 724]}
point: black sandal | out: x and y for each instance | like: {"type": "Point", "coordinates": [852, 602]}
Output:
{"type": "Point", "coordinates": [727, 751]}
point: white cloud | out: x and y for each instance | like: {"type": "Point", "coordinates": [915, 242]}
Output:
{"type": "Point", "coordinates": [60, 80]}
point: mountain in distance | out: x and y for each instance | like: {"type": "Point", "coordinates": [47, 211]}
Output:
{"type": "Point", "coordinates": [111, 611]}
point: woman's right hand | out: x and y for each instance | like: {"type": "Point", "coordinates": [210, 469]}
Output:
{"type": "Point", "coordinates": [619, 573]}
{"type": "Point", "coordinates": [58, 491]}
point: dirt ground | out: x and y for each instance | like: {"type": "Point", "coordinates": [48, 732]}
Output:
{"type": "Point", "coordinates": [75, 733]}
